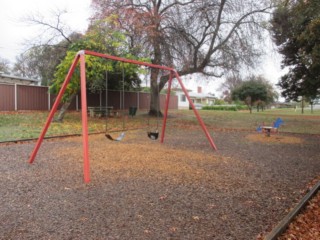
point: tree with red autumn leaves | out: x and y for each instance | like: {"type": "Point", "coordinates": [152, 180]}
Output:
{"type": "Point", "coordinates": [195, 36]}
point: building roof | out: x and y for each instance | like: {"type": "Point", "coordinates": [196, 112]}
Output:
{"type": "Point", "coordinates": [6, 78]}
{"type": "Point", "coordinates": [179, 89]}
{"type": "Point", "coordinates": [196, 95]}
{"type": "Point", "coordinates": [200, 95]}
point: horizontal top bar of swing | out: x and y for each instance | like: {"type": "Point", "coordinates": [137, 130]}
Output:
{"type": "Point", "coordinates": [87, 52]}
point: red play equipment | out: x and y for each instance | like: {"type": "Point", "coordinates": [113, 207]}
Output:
{"type": "Point", "coordinates": [81, 57]}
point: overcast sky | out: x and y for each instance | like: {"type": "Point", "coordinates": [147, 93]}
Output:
{"type": "Point", "coordinates": [15, 33]}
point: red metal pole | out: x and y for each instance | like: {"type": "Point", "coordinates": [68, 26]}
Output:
{"type": "Point", "coordinates": [86, 166]}
{"type": "Point", "coordinates": [107, 56]}
{"type": "Point", "coordinates": [164, 124]}
{"type": "Point", "coordinates": [204, 128]}
{"type": "Point", "coordinates": [54, 109]}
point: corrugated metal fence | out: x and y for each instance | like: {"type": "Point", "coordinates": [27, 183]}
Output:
{"type": "Point", "coordinates": [22, 97]}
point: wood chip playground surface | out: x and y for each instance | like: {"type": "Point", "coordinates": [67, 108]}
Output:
{"type": "Point", "coordinates": [141, 189]}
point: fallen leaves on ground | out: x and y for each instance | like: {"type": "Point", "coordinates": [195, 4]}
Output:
{"type": "Point", "coordinates": [306, 226]}
{"type": "Point", "coordinates": [274, 138]}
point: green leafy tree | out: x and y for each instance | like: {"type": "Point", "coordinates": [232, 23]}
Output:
{"type": "Point", "coordinates": [219, 102]}
{"type": "Point", "coordinates": [254, 91]}
{"type": "Point", "coordinates": [42, 59]}
{"type": "Point", "coordinates": [296, 31]}
{"type": "Point", "coordinates": [110, 42]}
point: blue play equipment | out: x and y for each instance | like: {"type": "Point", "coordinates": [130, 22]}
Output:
{"type": "Point", "coordinates": [259, 129]}
{"type": "Point", "coordinates": [277, 123]}
{"type": "Point", "coordinates": [275, 126]}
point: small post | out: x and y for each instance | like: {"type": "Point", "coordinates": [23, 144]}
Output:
{"type": "Point", "coordinates": [15, 97]}
{"type": "Point", "coordinates": [49, 99]}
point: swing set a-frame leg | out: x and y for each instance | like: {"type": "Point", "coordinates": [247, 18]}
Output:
{"type": "Point", "coordinates": [80, 56]}
{"type": "Point", "coordinates": [203, 126]}
{"type": "Point", "coordinates": [165, 115]}
{"type": "Point", "coordinates": [54, 109]}
{"type": "Point", "coordinates": [86, 167]}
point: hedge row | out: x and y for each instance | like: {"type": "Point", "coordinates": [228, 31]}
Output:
{"type": "Point", "coordinates": [226, 107]}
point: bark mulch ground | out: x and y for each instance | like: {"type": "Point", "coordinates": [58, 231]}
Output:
{"type": "Point", "coordinates": [141, 189]}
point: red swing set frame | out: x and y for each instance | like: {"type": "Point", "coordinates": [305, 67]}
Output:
{"type": "Point", "coordinates": [80, 57]}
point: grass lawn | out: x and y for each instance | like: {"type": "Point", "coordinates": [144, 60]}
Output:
{"type": "Point", "coordinates": [26, 125]}
{"type": "Point", "coordinates": [293, 122]}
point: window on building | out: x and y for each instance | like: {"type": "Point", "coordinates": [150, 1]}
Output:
{"type": "Point", "coordinates": [183, 98]}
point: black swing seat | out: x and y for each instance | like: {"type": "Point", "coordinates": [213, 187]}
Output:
{"type": "Point", "coordinates": [153, 135]}
{"type": "Point", "coordinates": [121, 136]}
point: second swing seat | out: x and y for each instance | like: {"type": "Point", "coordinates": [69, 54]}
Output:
{"type": "Point", "coordinates": [153, 135]}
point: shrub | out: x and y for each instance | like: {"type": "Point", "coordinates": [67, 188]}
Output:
{"type": "Point", "coordinates": [225, 107]}
{"type": "Point", "coordinates": [242, 107]}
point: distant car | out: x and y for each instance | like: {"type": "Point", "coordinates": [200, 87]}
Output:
{"type": "Point", "coordinates": [197, 106]}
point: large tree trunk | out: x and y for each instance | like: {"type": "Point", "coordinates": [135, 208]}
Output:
{"type": "Point", "coordinates": [64, 109]}
{"type": "Point", "coordinates": [249, 103]}
{"type": "Point", "coordinates": [155, 109]}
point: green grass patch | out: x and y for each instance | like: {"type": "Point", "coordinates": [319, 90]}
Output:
{"type": "Point", "coordinates": [293, 123]}
{"type": "Point", "coordinates": [26, 125]}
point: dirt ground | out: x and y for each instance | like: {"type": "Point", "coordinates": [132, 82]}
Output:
{"type": "Point", "coordinates": [141, 189]}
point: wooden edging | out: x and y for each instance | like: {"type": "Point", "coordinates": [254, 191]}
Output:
{"type": "Point", "coordinates": [282, 226]}
{"type": "Point", "coordinates": [27, 140]}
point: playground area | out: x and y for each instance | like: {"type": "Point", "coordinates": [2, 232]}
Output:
{"type": "Point", "coordinates": [142, 189]}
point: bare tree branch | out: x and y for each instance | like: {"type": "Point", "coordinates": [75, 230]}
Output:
{"type": "Point", "coordinates": [57, 28]}
{"type": "Point", "coordinates": [207, 36]}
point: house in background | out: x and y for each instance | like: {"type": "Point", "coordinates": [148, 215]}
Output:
{"type": "Point", "coordinates": [10, 79]}
{"type": "Point", "coordinates": [182, 99]}
{"type": "Point", "coordinates": [199, 98]}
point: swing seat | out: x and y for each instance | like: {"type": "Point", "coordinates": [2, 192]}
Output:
{"type": "Point", "coordinates": [121, 136]}
{"type": "Point", "coordinates": [153, 135]}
